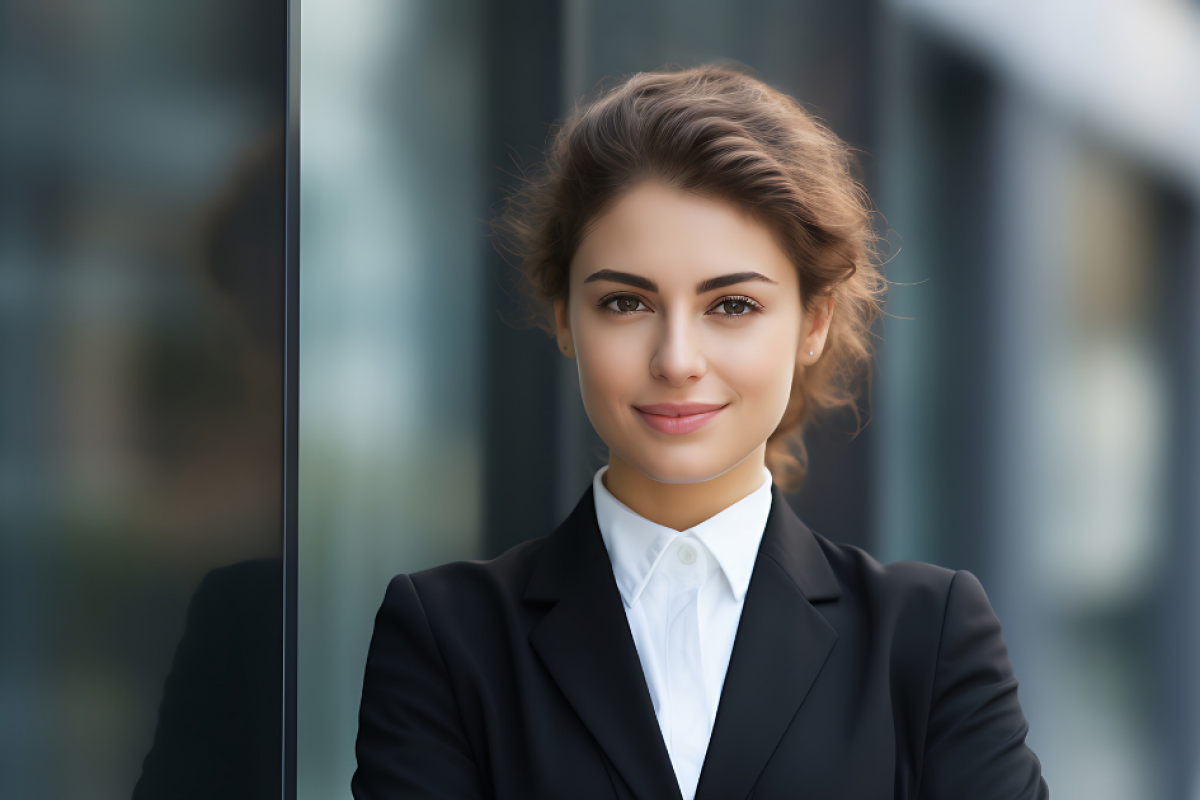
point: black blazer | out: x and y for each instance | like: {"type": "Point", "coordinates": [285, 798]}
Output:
{"type": "Point", "coordinates": [518, 679]}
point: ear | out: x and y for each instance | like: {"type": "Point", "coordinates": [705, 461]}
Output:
{"type": "Point", "coordinates": [562, 323]}
{"type": "Point", "coordinates": [816, 330]}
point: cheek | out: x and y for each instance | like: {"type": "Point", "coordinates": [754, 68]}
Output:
{"type": "Point", "coordinates": [759, 368]}
{"type": "Point", "coordinates": [611, 365]}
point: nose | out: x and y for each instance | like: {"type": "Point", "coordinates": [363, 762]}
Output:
{"type": "Point", "coordinates": [677, 356]}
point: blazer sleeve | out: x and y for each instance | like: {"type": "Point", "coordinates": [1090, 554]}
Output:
{"type": "Point", "coordinates": [411, 741]}
{"type": "Point", "coordinates": [975, 742]}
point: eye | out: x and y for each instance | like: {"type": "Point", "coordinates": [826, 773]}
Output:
{"type": "Point", "coordinates": [623, 303]}
{"type": "Point", "coordinates": [735, 307]}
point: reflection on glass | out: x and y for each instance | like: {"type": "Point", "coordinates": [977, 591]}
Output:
{"type": "Point", "coordinates": [140, 398]}
{"type": "Point", "coordinates": [219, 721]}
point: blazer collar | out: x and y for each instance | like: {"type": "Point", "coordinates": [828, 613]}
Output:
{"type": "Point", "coordinates": [782, 643]}
{"type": "Point", "coordinates": [576, 543]}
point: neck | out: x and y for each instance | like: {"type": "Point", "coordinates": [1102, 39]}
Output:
{"type": "Point", "coordinates": [680, 506]}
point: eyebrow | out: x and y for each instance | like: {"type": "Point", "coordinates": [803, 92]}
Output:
{"type": "Point", "coordinates": [721, 281]}
{"type": "Point", "coordinates": [710, 285]}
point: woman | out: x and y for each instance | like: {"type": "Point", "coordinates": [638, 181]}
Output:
{"type": "Point", "coordinates": [708, 259]}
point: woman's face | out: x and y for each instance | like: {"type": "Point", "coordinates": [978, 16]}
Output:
{"type": "Point", "coordinates": [686, 320]}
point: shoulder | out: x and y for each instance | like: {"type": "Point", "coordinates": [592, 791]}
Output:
{"type": "Point", "coordinates": [467, 587]}
{"type": "Point", "coordinates": [466, 622]}
{"type": "Point", "coordinates": [909, 595]}
{"type": "Point", "coordinates": [860, 573]}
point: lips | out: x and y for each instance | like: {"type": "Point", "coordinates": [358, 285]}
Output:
{"type": "Point", "coordinates": [680, 409]}
{"type": "Point", "coordinates": [678, 418]}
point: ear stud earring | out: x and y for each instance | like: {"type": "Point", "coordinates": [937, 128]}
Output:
{"type": "Point", "coordinates": [810, 352]}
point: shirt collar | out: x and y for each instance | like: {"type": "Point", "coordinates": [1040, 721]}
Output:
{"type": "Point", "coordinates": [635, 544]}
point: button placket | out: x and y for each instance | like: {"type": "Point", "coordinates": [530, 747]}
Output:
{"type": "Point", "coordinates": [685, 680]}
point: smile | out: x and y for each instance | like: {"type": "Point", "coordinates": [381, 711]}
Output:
{"type": "Point", "coordinates": [678, 418]}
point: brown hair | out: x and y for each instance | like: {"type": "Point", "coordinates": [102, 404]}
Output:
{"type": "Point", "coordinates": [717, 131]}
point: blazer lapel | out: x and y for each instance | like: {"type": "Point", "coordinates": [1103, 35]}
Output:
{"type": "Point", "coordinates": [781, 645]}
{"type": "Point", "coordinates": [585, 643]}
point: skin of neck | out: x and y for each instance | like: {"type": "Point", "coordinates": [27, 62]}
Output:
{"type": "Point", "coordinates": [681, 506]}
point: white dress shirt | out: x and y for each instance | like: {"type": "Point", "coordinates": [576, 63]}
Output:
{"type": "Point", "coordinates": [683, 593]}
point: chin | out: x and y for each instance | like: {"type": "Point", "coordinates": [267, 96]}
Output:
{"type": "Point", "coordinates": [682, 469]}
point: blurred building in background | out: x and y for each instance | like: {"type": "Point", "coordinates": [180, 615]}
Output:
{"type": "Point", "coordinates": [1037, 167]}
{"type": "Point", "coordinates": [1032, 417]}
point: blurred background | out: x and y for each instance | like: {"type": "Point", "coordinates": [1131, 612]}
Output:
{"type": "Point", "coordinates": [1032, 417]}
{"type": "Point", "coordinates": [141, 417]}
{"type": "Point", "coordinates": [1037, 170]}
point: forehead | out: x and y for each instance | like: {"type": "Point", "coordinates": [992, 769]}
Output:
{"type": "Point", "coordinates": [671, 234]}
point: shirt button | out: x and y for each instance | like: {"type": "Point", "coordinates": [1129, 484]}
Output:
{"type": "Point", "coordinates": [687, 554]}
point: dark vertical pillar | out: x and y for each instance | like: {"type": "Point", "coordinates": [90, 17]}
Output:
{"type": "Point", "coordinates": [291, 398]}
{"type": "Point", "coordinates": [1177, 599]}
{"type": "Point", "coordinates": [524, 95]}
{"type": "Point", "coordinates": [959, 411]}
{"type": "Point", "coordinates": [940, 338]}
